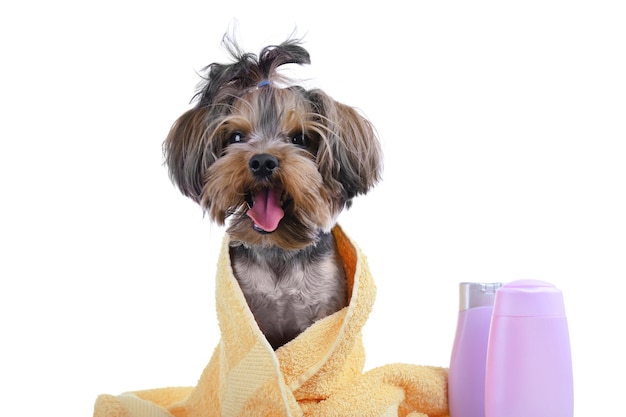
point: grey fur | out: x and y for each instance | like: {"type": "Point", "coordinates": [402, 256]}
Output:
{"type": "Point", "coordinates": [287, 291]}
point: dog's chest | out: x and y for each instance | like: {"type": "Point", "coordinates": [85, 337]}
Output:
{"type": "Point", "coordinates": [287, 296]}
{"type": "Point", "coordinates": [296, 284]}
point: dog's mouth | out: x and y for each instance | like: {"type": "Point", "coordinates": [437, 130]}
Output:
{"type": "Point", "coordinates": [265, 208]}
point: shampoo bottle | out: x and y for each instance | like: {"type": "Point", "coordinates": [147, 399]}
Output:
{"type": "Point", "coordinates": [529, 364]}
{"type": "Point", "coordinates": [466, 377]}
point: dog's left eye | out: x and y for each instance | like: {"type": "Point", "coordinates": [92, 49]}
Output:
{"type": "Point", "coordinates": [301, 139]}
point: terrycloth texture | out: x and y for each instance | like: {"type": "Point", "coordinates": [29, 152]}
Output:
{"type": "Point", "coordinates": [318, 374]}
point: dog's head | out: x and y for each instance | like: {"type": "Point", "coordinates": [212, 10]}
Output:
{"type": "Point", "coordinates": [280, 160]}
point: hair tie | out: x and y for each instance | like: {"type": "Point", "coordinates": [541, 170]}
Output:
{"type": "Point", "coordinates": [263, 83]}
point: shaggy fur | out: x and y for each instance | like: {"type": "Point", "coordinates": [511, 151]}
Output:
{"type": "Point", "coordinates": [253, 137]}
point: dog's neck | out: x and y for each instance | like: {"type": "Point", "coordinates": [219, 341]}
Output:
{"type": "Point", "coordinates": [277, 257]}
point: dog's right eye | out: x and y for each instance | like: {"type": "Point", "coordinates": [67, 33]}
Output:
{"type": "Point", "coordinates": [236, 137]}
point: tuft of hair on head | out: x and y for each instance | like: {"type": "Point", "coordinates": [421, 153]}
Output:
{"type": "Point", "coordinates": [224, 82]}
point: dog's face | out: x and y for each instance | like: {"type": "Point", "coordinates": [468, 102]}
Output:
{"type": "Point", "coordinates": [280, 162]}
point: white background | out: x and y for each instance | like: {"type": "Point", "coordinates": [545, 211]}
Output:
{"type": "Point", "coordinates": [503, 126]}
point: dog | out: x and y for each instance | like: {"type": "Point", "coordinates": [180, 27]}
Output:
{"type": "Point", "coordinates": [280, 162]}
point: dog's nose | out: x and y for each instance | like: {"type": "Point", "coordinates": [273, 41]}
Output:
{"type": "Point", "coordinates": [263, 164]}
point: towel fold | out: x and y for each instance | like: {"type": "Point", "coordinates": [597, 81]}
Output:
{"type": "Point", "coordinates": [318, 374]}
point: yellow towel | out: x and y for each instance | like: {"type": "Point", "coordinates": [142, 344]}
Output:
{"type": "Point", "coordinates": [318, 374]}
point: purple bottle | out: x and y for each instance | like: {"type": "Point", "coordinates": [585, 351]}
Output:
{"type": "Point", "coordinates": [466, 376]}
{"type": "Point", "coordinates": [529, 364]}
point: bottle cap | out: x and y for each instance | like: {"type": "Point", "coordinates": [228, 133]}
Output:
{"type": "Point", "coordinates": [529, 298]}
{"type": "Point", "coordinates": [477, 294]}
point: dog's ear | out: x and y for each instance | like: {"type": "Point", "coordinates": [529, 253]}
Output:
{"type": "Point", "coordinates": [188, 153]}
{"type": "Point", "coordinates": [350, 153]}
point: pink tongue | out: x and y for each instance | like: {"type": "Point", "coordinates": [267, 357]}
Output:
{"type": "Point", "coordinates": [266, 211]}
